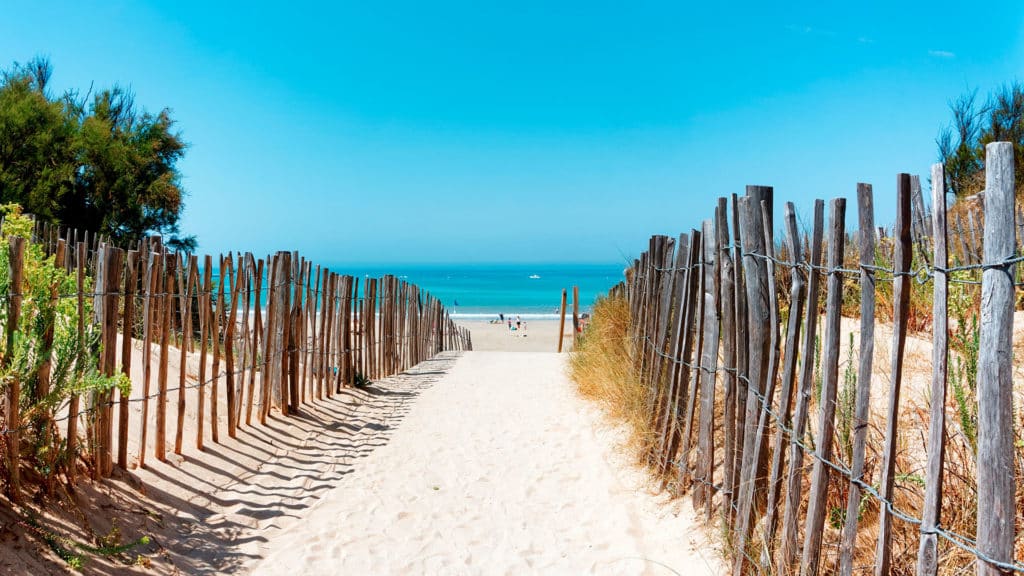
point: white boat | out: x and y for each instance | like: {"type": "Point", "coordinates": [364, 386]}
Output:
{"type": "Point", "coordinates": [534, 277]}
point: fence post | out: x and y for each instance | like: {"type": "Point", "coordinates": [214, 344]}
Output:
{"type": "Point", "coordinates": [694, 387]}
{"type": "Point", "coordinates": [829, 385]}
{"type": "Point", "coordinates": [105, 422]}
{"type": "Point", "coordinates": [205, 296]}
{"type": "Point", "coordinates": [236, 277]}
{"type": "Point", "coordinates": [727, 297]}
{"type": "Point", "coordinates": [927, 553]}
{"type": "Point", "coordinates": [996, 484]}
{"type": "Point", "coordinates": [576, 313]}
{"type": "Point", "coordinates": [667, 337]}
{"type": "Point", "coordinates": [131, 281]}
{"type": "Point", "coordinates": [758, 317]}
{"type": "Point", "coordinates": [680, 373]}
{"type": "Point", "coordinates": [796, 309]}
{"type": "Point", "coordinates": [866, 225]}
{"type": "Point", "coordinates": [561, 323]}
{"type": "Point", "coordinates": [257, 334]}
{"type": "Point", "coordinates": [166, 305]}
{"type": "Point", "coordinates": [901, 303]}
{"type": "Point", "coordinates": [345, 338]}
{"type": "Point", "coordinates": [294, 300]}
{"type": "Point", "coordinates": [794, 476]}
{"type": "Point", "coordinates": [740, 323]}
{"type": "Point", "coordinates": [709, 366]}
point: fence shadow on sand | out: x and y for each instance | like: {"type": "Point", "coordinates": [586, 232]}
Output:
{"type": "Point", "coordinates": [210, 512]}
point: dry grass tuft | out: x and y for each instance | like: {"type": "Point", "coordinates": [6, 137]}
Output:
{"type": "Point", "coordinates": [602, 368]}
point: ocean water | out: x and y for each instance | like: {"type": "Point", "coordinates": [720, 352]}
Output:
{"type": "Point", "coordinates": [532, 291]}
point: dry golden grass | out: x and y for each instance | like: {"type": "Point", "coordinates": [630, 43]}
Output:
{"type": "Point", "coordinates": [602, 368]}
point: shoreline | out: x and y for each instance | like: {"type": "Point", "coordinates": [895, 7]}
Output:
{"type": "Point", "coordinates": [535, 336]}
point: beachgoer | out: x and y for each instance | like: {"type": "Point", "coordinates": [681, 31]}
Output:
{"type": "Point", "coordinates": [501, 316]}
{"type": "Point", "coordinates": [519, 321]}
{"type": "Point", "coordinates": [509, 325]}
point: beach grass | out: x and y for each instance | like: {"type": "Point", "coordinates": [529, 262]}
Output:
{"type": "Point", "coordinates": [603, 372]}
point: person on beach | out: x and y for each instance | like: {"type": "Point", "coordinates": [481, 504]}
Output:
{"type": "Point", "coordinates": [519, 322]}
{"type": "Point", "coordinates": [509, 325]}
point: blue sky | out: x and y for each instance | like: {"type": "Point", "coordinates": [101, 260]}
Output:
{"type": "Point", "coordinates": [525, 132]}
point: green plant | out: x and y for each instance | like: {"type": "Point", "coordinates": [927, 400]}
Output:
{"type": "Point", "coordinates": [107, 546]}
{"type": "Point", "coordinates": [92, 161]}
{"type": "Point", "coordinates": [965, 340]}
{"type": "Point", "coordinates": [817, 369]}
{"type": "Point", "coordinates": [360, 380]}
{"type": "Point", "coordinates": [845, 406]}
{"type": "Point", "coordinates": [46, 333]}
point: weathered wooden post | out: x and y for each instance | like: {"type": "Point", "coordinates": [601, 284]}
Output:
{"type": "Point", "coordinates": [112, 258]}
{"type": "Point", "coordinates": [742, 340]}
{"type": "Point", "coordinates": [996, 483]}
{"type": "Point", "coordinates": [727, 297]}
{"type": "Point", "coordinates": [205, 295]}
{"type": "Point", "coordinates": [927, 554]}
{"type": "Point", "coordinates": [796, 301]}
{"type": "Point", "coordinates": [694, 387]}
{"type": "Point", "coordinates": [794, 476]}
{"type": "Point", "coordinates": [757, 320]}
{"type": "Point", "coordinates": [866, 237]}
{"type": "Point", "coordinates": [671, 303]}
{"type": "Point", "coordinates": [131, 281]}
{"type": "Point", "coordinates": [709, 366]}
{"type": "Point", "coordinates": [167, 304]}
{"type": "Point", "coordinates": [901, 303]}
{"type": "Point", "coordinates": [680, 371]}
{"type": "Point", "coordinates": [561, 323]}
{"type": "Point", "coordinates": [575, 316]}
{"type": "Point", "coordinates": [829, 386]}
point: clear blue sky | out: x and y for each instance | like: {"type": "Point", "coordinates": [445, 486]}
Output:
{"type": "Point", "coordinates": [525, 131]}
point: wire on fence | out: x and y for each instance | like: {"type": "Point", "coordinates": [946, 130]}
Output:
{"type": "Point", "coordinates": [921, 274]}
{"type": "Point", "coordinates": [959, 540]}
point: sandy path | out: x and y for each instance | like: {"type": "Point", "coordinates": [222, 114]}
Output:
{"type": "Point", "coordinates": [498, 468]}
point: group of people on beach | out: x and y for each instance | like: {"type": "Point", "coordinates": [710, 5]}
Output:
{"type": "Point", "coordinates": [516, 328]}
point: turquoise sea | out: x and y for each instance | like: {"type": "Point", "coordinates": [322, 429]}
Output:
{"type": "Point", "coordinates": [533, 291]}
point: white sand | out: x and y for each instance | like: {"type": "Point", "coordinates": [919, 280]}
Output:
{"type": "Point", "coordinates": [498, 468]}
{"type": "Point", "coordinates": [538, 336]}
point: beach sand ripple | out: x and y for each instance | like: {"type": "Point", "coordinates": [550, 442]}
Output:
{"type": "Point", "coordinates": [498, 468]}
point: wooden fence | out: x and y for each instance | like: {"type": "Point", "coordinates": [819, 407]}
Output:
{"type": "Point", "coordinates": [276, 333]}
{"type": "Point", "coordinates": [708, 341]}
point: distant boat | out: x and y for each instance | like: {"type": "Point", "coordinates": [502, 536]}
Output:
{"type": "Point", "coordinates": [534, 277]}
